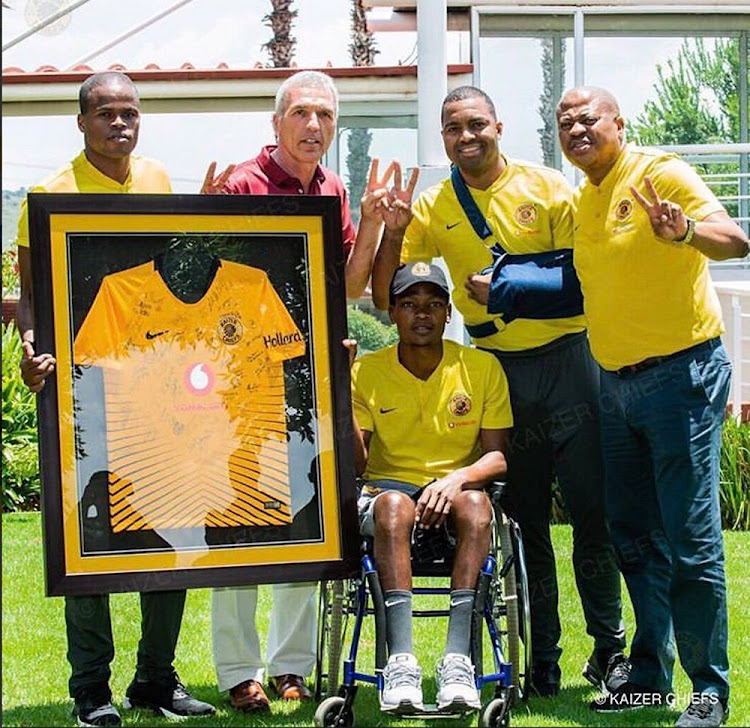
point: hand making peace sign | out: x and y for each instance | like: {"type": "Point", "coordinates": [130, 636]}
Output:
{"type": "Point", "coordinates": [668, 219]}
{"type": "Point", "coordinates": [375, 197]}
{"type": "Point", "coordinates": [215, 185]}
{"type": "Point", "coordinates": [397, 215]}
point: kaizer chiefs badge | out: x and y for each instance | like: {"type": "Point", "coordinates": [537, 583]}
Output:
{"type": "Point", "coordinates": [230, 328]}
{"type": "Point", "coordinates": [624, 209]}
{"type": "Point", "coordinates": [420, 269]}
{"type": "Point", "coordinates": [459, 405]}
{"type": "Point", "coordinates": [526, 214]}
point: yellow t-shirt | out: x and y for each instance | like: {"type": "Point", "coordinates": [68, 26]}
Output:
{"type": "Point", "coordinates": [529, 209]}
{"type": "Point", "coordinates": [643, 296]}
{"type": "Point", "coordinates": [146, 176]}
{"type": "Point", "coordinates": [423, 430]}
{"type": "Point", "coordinates": [195, 399]}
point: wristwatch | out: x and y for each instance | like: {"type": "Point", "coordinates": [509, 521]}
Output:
{"type": "Point", "coordinates": [689, 233]}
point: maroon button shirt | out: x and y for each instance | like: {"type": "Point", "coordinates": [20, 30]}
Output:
{"type": "Point", "coordinates": [262, 176]}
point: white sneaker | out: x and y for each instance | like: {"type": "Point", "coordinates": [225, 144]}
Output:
{"type": "Point", "coordinates": [402, 689]}
{"type": "Point", "coordinates": [457, 689]}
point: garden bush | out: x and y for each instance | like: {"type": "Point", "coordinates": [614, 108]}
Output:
{"type": "Point", "coordinates": [20, 476]}
{"type": "Point", "coordinates": [734, 475]}
{"type": "Point", "coordinates": [370, 333]}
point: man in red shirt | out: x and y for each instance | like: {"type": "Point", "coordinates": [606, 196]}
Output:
{"type": "Point", "coordinates": [304, 122]}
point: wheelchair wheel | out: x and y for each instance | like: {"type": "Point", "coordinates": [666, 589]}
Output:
{"type": "Point", "coordinates": [517, 605]}
{"type": "Point", "coordinates": [510, 599]}
{"type": "Point", "coordinates": [495, 714]}
{"type": "Point", "coordinates": [524, 610]}
{"type": "Point", "coordinates": [328, 662]}
{"type": "Point", "coordinates": [329, 714]}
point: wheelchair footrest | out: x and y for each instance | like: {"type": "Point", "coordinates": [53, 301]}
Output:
{"type": "Point", "coordinates": [431, 710]}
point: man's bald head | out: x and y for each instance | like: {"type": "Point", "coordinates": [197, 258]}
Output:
{"type": "Point", "coordinates": [604, 99]}
{"type": "Point", "coordinates": [591, 130]}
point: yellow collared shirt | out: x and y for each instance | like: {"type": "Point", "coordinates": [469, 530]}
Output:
{"type": "Point", "coordinates": [423, 430]}
{"type": "Point", "coordinates": [529, 209]}
{"type": "Point", "coordinates": [146, 176]}
{"type": "Point", "coordinates": [643, 296]}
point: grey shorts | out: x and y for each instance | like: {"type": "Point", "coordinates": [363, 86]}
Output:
{"type": "Point", "coordinates": [369, 494]}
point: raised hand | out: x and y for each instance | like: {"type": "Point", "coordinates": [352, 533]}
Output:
{"type": "Point", "coordinates": [213, 185]}
{"type": "Point", "coordinates": [35, 368]}
{"type": "Point", "coordinates": [397, 215]}
{"type": "Point", "coordinates": [376, 193]}
{"type": "Point", "coordinates": [667, 218]}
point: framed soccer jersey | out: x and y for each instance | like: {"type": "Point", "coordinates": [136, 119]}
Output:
{"type": "Point", "coordinates": [197, 429]}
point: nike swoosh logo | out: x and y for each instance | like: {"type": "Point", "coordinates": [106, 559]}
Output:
{"type": "Point", "coordinates": [384, 411]}
{"type": "Point", "coordinates": [153, 334]}
{"type": "Point", "coordinates": [457, 602]}
{"type": "Point", "coordinates": [394, 602]}
{"type": "Point", "coordinates": [450, 227]}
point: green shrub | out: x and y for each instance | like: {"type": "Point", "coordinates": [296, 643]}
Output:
{"type": "Point", "coordinates": [20, 476]}
{"type": "Point", "coordinates": [370, 333]}
{"type": "Point", "coordinates": [734, 475]}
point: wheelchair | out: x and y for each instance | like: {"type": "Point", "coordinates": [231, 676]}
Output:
{"type": "Point", "coordinates": [501, 606]}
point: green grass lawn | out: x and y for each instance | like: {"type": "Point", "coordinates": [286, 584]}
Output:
{"type": "Point", "coordinates": [35, 671]}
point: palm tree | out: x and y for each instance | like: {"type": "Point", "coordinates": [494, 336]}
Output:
{"type": "Point", "coordinates": [362, 50]}
{"type": "Point", "coordinates": [281, 46]}
{"type": "Point", "coordinates": [548, 100]}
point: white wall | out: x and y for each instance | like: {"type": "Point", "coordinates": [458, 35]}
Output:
{"type": "Point", "coordinates": [733, 288]}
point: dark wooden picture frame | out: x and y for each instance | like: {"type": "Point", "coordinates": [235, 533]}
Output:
{"type": "Point", "coordinates": [147, 484]}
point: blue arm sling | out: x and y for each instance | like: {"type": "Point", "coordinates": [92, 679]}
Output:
{"type": "Point", "coordinates": [530, 285]}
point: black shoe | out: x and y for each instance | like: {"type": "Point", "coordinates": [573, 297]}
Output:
{"type": "Point", "coordinates": [705, 711]}
{"type": "Point", "coordinates": [168, 698]}
{"type": "Point", "coordinates": [629, 696]}
{"type": "Point", "coordinates": [607, 669]}
{"type": "Point", "coordinates": [88, 712]}
{"type": "Point", "coordinates": [545, 678]}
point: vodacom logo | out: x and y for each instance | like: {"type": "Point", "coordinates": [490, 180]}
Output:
{"type": "Point", "coordinates": [199, 379]}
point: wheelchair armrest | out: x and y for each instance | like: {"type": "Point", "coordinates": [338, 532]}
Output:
{"type": "Point", "coordinates": [495, 491]}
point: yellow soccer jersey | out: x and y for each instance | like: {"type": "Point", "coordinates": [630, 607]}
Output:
{"type": "Point", "coordinates": [195, 399]}
{"type": "Point", "coordinates": [529, 209]}
{"type": "Point", "coordinates": [146, 176]}
{"type": "Point", "coordinates": [422, 430]}
{"type": "Point", "coordinates": [643, 296]}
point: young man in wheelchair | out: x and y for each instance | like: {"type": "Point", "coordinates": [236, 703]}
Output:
{"type": "Point", "coordinates": [431, 421]}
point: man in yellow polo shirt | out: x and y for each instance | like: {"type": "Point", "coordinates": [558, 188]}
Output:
{"type": "Point", "coordinates": [109, 119]}
{"type": "Point", "coordinates": [646, 226]}
{"type": "Point", "coordinates": [553, 380]}
{"type": "Point", "coordinates": [431, 423]}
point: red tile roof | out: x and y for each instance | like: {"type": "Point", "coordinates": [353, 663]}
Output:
{"type": "Point", "coordinates": [152, 72]}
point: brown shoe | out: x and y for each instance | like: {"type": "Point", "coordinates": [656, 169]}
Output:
{"type": "Point", "coordinates": [248, 696]}
{"type": "Point", "coordinates": [290, 687]}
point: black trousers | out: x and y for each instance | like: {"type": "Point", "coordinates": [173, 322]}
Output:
{"type": "Point", "coordinates": [91, 646]}
{"type": "Point", "coordinates": [554, 392]}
